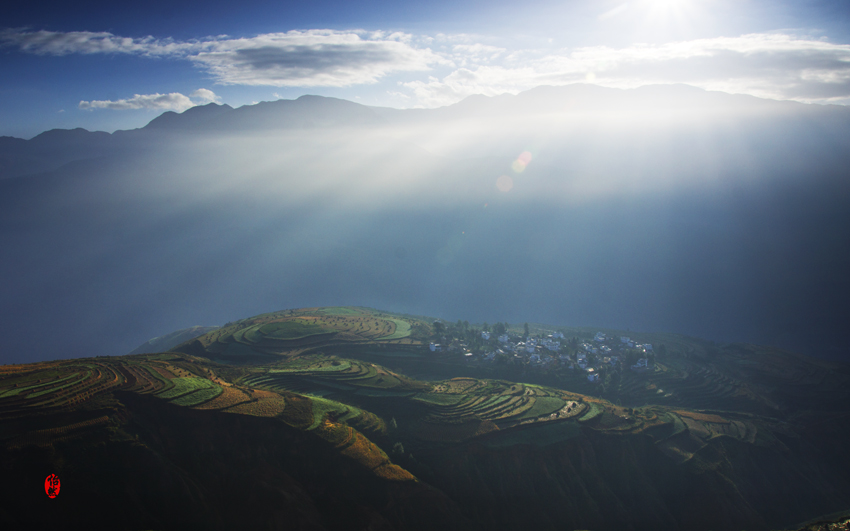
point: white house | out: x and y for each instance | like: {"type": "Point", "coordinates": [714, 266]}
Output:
{"type": "Point", "coordinates": [558, 335]}
{"type": "Point", "coordinates": [599, 337]}
{"type": "Point", "coordinates": [435, 347]}
{"type": "Point", "coordinates": [503, 338]}
{"type": "Point", "coordinates": [554, 346]}
{"type": "Point", "coordinates": [592, 375]}
{"type": "Point", "coordinates": [624, 339]}
{"type": "Point", "coordinates": [485, 335]}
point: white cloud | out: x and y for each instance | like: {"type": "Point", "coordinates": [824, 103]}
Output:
{"type": "Point", "coordinates": [774, 66]}
{"type": "Point", "coordinates": [159, 102]}
{"type": "Point", "coordinates": [87, 42]}
{"type": "Point", "coordinates": [204, 95]}
{"type": "Point", "coordinates": [312, 58]}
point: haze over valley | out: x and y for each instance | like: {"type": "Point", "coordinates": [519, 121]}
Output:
{"type": "Point", "coordinates": [664, 208]}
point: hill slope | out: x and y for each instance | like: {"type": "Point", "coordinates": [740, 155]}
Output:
{"type": "Point", "coordinates": [306, 438]}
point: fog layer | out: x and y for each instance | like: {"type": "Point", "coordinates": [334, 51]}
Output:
{"type": "Point", "coordinates": [659, 209]}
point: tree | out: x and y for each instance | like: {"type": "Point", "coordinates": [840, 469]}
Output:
{"type": "Point", "coordinates": [486, 327]}
{"type": "Point", "coordinates": [525, 329]}
{"type": "Point", "coordinates": [499, 329]}
{"type": "Point", "coordinates": [439, 327]}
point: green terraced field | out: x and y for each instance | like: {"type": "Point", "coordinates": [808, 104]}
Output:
{"type": "Point", "coordinates": [339, 311]}
{"type": "Point", "coordinates": [14, 391]}
{"type": "Point", "coordinates": [592, 412]}
{"type": "Point", "coordinates": [183, 386]}
{"type": "Point", "coordinates": [323, 407]}
{"type": "Point", "coordinates": [289, 330]}
{"type": "Point", "coordinates": [402, 330]}
{"type": "Point", "coordinates": [440, 399]}
{"type": "Point", "coordinates": [198, 397]}
{"type": "Point", "coordinates": [83, 378]}
{"type": "Point", "coordinates": [544, 405]}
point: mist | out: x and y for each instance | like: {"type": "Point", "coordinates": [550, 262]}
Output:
{"type": "Point", "coordinates": [659, 209]}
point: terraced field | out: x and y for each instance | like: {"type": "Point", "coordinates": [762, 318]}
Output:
{"type": "Point", "coordinates": [682, 406]}
{"type": "Point", "coordinates": [84, 388]}
{"type": "Point", "coordinates": [745, 378]}
{"type": "Point", "coordinates": [323, 376]}
{"type": "Point", "coordinates": [699, 409]}
{"type": "Point", "coordinates": [460, 408]}
{"type": "Point", "coordinates": [294, 332]}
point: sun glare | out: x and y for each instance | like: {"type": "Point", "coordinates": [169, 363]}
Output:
{"type": "Point", "coordinates": [664, 16]}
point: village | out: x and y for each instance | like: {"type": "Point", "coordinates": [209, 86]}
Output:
{"type": "Point", "coordinates": [549, 352]}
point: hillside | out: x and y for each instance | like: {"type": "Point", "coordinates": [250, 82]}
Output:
{"type": "Point", "coordinates": [287, 420]}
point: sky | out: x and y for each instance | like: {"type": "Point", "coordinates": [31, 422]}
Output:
{"type": "Point", "coordinates": [112, 65]}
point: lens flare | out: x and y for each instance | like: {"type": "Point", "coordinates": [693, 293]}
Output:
{"type": "Point", "coordinates": [521, 162]}
{"type": "Point", "coordinates": [504, 183]}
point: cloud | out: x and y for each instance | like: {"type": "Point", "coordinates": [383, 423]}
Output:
{"type": "Point", "coordinates": [770, 65]}
{"type": "Point", "coordinates": [465, 55]}
{"type": "Point", "coordinates": [87, 42]}
{"type": "Point", "coordinates": [776, 66]}
{"type": "Point", "coordinates": [159, 102]}
{"type": "Point", "coordinates": [204, 95]}
{"type": "Point", "coordinates": [312, 58]}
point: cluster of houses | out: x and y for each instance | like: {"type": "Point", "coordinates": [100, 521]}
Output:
{"type": "Point", "coordinates": [546, 352]}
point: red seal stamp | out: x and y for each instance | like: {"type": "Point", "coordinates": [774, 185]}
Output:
{"type": "Point", "coordinates": [51, 485]}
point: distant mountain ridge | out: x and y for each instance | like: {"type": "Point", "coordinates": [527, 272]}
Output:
{"type": "Point", "coordinates": [304, 112]}
{"type": "Point", "coordinates": [57, 147]}
{"type": "Point", "coordinates": [196, 116]}
{"type": "Point", "coordinates": [54, 148]}
{"type": "Point", "coordinates": [172, 339]}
